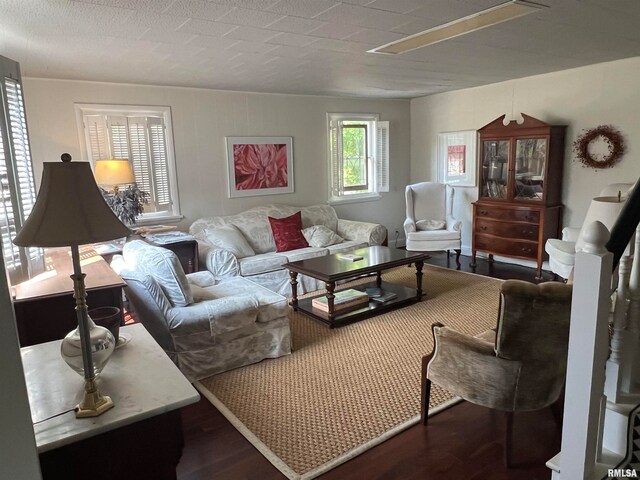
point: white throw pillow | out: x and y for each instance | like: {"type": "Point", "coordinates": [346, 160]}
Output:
{"type": "Point", "coordinates": [319, 236]}
{"type": "Point", "coordinates": [430, 224]}
{"type": "Point", "coordinates": [229, 237]}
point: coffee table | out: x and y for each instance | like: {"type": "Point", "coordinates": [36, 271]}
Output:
{"type": "Point", "coordinates": [332, 268]}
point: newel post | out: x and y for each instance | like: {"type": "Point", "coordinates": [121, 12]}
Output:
{"type": "Point", "coordinates": [588, 350]}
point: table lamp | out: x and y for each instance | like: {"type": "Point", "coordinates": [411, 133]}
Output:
{"type": "Point", "coordinates": [602, 209]}
{"type": "Point", "coordinates": [70, 211]}
{"type": "Point", "coordinates": [113, 172]}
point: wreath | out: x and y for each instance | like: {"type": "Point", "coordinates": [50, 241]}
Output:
{"type": "Point", "coordinates": [615, 143]}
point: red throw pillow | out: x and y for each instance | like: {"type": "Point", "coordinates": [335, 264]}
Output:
{"type": "Point", "coordinates": [287, 232]}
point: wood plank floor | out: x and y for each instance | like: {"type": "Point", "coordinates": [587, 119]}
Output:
{"type": "Point", "coordinates": [462, 442]}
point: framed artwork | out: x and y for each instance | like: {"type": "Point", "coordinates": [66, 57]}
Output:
{"type": "Point", "coordinates": [457, 158]}
{"type": "Point", "coordinates": [259, 165]}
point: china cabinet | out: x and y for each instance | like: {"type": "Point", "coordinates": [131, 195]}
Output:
{"type": "Point", "coordinates": [520, 186]}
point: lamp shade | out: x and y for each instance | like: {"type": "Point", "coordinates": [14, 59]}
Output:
{"type": "Point", "coordinates": [601, 209]}
{"type": "Point", "coordinates": [69, 210]}
{"type": "Point", "coordinates": [114, 172]}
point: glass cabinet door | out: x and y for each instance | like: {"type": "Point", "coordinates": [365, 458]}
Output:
{"type": "Point", "coordinates": [495, 168]}
{"type": "Point", "coordinates": [530, 162]}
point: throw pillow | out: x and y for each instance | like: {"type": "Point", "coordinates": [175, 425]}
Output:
{"type": "Point", "coordinates": [320, 236]}
{"type": "Point", "coordinates": [287, 232]}
{"type": "Point", "coordinates": [229, 237]}
{"type": "Point", "coordinates": [430, 224]}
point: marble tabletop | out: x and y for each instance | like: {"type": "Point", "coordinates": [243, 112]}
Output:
{"type": "Point", "coordinates": [140, 379]}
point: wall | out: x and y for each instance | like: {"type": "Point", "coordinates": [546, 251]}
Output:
{"type": "Point", "coordinates": [580, 98]}
{"type": "Point", "coordinates": [201, 120]}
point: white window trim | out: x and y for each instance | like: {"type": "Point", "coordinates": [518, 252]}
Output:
{"type": "Point", "coordinates": [83, 109]}
{"type": "Point", "coordinates": [354, 197]}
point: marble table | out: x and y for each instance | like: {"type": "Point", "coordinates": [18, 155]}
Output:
{"type": "Point", "coordinates": [146, 388]}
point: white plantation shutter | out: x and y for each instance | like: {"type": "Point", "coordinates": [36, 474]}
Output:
{"type": "Point", "coordinates": [97, 137]}
{"type": "Point", "coordinates": [118, 137]}
{"type": "Point", "coordinates": [335, 139]}
{"type": "Point", "coordinates": [382, 156]}
{"type": "Point", "coordinates": [17, 185]}
{"type": "Point", "coordinates": [159, 161]}
{"type": "Point", "coordinates": [139, 157]}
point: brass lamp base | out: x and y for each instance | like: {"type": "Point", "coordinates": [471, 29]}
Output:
{"type": "Point", "coordinates": [93, 404]}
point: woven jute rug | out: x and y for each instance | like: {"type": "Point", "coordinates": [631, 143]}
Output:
{"type": "Point", "coordinates": [345, 390]}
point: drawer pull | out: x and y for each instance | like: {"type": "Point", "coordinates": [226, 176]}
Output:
{"type": "Point", "coordinates": [530, 218]}
{"type": "Point", "coordinates": [483, 212]}
{"type": "Point", "coordinates": [527, 249]}
{"type": "Point", "coordinates": [527, 232]}
{"type": "Point", "coordinates": [483, 227]}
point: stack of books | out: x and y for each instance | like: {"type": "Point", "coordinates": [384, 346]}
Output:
{"type": "Point", "coordinates": [343, 299]}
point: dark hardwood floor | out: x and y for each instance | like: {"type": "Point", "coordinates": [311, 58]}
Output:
{"type": "Point", "coordinates": [462, 442]}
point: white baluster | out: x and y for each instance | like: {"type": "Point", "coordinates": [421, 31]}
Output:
{"type": "Point", "coordinates": [633, 312]}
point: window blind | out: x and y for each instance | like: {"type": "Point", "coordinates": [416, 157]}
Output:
{"type": "Point", "coordinates": [335, 138]}
{"type": "Point", "coordinates": [382, 156]}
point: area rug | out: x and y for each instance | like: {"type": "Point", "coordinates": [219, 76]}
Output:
{"type": "Point", "coordinates": [344, 390]}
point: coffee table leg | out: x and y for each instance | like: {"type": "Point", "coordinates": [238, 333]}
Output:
{"type": "Point", "coordinates": [330, 296]}
{"type": "Point", "coordinates": [419, 264]}
{"type": "Point", "coordinates": [378, 279]}
{"type": "Point", "coordinates": [294, 289]}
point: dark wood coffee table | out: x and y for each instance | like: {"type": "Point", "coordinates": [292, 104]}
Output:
{"type": "Point", "coordinates": [333, 268]}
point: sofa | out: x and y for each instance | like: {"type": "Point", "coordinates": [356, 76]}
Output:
{"type": "Point", "coordinates": [258, 260]}
{"type": "Point", "coordinates": [205, 325]}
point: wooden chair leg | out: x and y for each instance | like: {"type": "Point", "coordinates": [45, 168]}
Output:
{"type": "Point", "coordinates": [425, 393]}
{"type": "Point", "coordinates": [507, 439]}
{"type": "Point", "coordinates": [458, 252]}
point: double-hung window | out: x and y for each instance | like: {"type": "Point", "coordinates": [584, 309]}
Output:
{"type": "Point", "coordinates": [17, 185]}
{"type": "Point", "coordinates": [358, 156]}
{"type": "Point", "coordinates": [143, 136]}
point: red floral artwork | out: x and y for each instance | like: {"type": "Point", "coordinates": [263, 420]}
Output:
{"type": "Point", "coordinates": [258, 166]}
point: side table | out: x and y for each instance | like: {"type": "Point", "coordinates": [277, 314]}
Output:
{"type": "Point", "coordinates": [141, 437]}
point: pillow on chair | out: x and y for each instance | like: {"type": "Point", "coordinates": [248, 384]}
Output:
{"type": "Point", "coordinates": [430, 225]}
{"type": "Point", "coordinates": [163, 265]}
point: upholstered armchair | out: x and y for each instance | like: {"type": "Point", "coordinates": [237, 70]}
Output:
{"type": "Point", "coordinates": [430, 225]}
{"type": "Point", "coordinates": [518, 367]}
{"type": "Point", "coordinates": [206, 326]}
{"type": "Point", "coordinates": [562, 252]}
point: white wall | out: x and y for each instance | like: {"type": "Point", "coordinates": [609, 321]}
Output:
{"type": "Point", "coordinates": [201, 120]}
{"type": "Point", "coordinates": [580, 98]}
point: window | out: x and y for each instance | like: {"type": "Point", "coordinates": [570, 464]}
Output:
{"type": "Point", "coordinates": [143, 136]}
{"type": "Point", "coordinates": [358, 156]}
{"type": "Point", "coordinates": [17, 185]}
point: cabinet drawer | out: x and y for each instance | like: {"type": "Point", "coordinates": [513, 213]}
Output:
{"type": "Point", "coordinates": [504, 246]}
{"type": "Point", "coordinates": [508, 214]}
{"type": "Point", "coordinates": [510, 230]}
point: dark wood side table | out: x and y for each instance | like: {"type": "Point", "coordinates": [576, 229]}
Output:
{"type": "Point", "coordinates": [44, 306]}
{"type": "Point", "coordinates": [140, 438]}
{"type": "Point", "coordinates": [185, 250]}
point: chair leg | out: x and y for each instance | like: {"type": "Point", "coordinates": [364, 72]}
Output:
{"type": "Point", "coordinates": [507, 439]}
{"type": "Point", "coordinates": [458, 251]}
{"type": "Point", "coordinates": [425, 391]}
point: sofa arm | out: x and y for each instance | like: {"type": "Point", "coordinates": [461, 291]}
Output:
{"type": "Point", "coordinates": [468, 366]}
{"type": "Point", "coordinates": [372, 233]}
{"type": "Point", "coordinates": [221, 263]}
{"type": "Point", "coordinates": [409, 226]}
{"type": "Point", "coordinates": [453, 225]}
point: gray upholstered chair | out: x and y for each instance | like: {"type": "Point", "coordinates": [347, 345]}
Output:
{"type": "Point", "coordinates": [429, 225]}
{"type": "Point", "coordinates": [518, 367]}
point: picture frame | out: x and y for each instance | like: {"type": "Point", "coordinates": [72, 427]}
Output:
{"type": "Point", "coordinates": [457, 158]}
{"type": "Point", "coordinates": [259, 166]}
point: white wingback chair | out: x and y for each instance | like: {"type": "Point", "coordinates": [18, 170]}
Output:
{"type": "Point", "coordinates": [562, 251]}
{"type": "Point", "coordinates": [430, 225]}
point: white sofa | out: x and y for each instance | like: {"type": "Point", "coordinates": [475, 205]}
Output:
{"type": "Point", "coordinates": [264, 264]}
{"type": "Point", "coordinates": [206, 326]}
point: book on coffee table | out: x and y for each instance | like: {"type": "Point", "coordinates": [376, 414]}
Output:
{"type": "Point", "coordinates": [343, 299]}
{"type": "Point", "coordinates": [384, 297]}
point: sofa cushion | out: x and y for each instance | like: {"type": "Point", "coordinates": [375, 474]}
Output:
{"type": "Point", "coordinates": [228, 237]}
{"type": "Point", "coordinates": [163, 265]}
{"type": "Point", "coordinates": [262, 263]}
{"type": "Point", "coordinates": [305, 253]}
{"type": "Point", "coordinates": [287, 232]}
{"type": "Point", "coordinates": [320, 236]}
{"type": "Point", "coordinates": [433, 235]}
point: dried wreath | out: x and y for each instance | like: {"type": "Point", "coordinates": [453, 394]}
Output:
{"type": "Point", "coordinates": [610, 135]}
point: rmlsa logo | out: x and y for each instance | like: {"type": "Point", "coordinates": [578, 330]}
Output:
{"type": "Point", "coordinates": [622, 473]}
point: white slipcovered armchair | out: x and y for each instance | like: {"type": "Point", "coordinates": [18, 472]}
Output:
{"type": "Point", "coordinates": [430, 225]}
{"type": "Point", "coordinates": [562, 251]}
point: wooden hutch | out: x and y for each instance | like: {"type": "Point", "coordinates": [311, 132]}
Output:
{"type": "Point", "coordinates": [520, 189]}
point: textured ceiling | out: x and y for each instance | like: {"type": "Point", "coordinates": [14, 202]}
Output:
{"type": "Point", "coordinates": [306, 46]}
